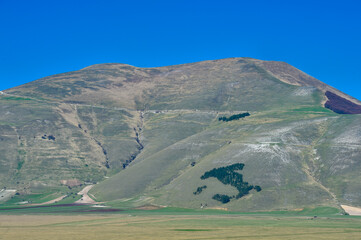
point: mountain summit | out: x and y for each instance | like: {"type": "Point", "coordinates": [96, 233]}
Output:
{"type": "Point", "coordinates": [238, 133]}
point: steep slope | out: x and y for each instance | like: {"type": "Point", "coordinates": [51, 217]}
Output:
{"type": "Point", "coordinates": [335, 100]}
{"type": "Point", "coordinates": [46, 142]}
{"type": "Point", "coordinates": [148, 135]}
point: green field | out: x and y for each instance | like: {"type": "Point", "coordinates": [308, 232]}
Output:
{"type": "Point", "coordinates": [172, 223]}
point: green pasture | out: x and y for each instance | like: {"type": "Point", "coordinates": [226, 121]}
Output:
{"type": "Point", "coordinates": [175, 223]}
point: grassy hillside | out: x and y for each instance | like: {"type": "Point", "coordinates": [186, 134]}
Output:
{"type": "Point", "coordinates": [148, 135]}
{"type": "Point", "coordinates": [278, 153]}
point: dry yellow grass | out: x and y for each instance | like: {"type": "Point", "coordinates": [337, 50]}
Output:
{"type": "Point", "coordinates": [175, 227]}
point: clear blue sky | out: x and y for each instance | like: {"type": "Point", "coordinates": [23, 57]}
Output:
{"type": "Point", "coordinates": [41, 38]}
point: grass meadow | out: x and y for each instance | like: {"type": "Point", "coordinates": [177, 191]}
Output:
{"type": "Point", "coordinates": [170, 223]}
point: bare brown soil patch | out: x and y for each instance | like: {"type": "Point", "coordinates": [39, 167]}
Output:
{"type": "Point", "coordinates": [148, 207]}
{"type": "Point", "coordinates": [85, 199]}
{"type": "Point", "coordinates": [71, 182]}
{"type": "Point", "coordinates": [354, 211]}
{"type": "Point", "coordinates": [218, 208]}
{"type": "Point", "coordinates": [341, 105]}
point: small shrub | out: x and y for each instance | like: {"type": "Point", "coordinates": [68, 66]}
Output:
{"type": "Point", "coordinates": [257, 188]}
{"type": "Point", "coordinates": [51, 137]}
{"type": "Point", "coordinates": [222, 198]}
{"type": "Point", "coordinates": [199, 190]}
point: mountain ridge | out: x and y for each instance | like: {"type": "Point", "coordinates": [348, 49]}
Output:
{"type": "Point", "coordinates": [280, 70]}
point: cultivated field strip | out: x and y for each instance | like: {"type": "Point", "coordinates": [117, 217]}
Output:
{"type": "Point", "coordinates": [126, 226]}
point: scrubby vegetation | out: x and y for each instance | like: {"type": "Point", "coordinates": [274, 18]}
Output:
{"type": "Point", "coordinates": [50, 137]}
{"type": "Point", "coordinates": [257, 188]}
{"type": "Point", "coordinates": [229, 176]}
{"type": "Point", "coordinates": [20, 164]}
{"type": "Point", "coordinates": [199, 190]}
{"type": "Point", "coordinates": [234, 117]}
{"type": "Point", "coordinates": [222, 198]}
{"type": "Point", "coordinates": [13, 98]}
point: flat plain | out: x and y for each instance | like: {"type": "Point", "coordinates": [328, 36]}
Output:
{"type": "Point", "coordinates": [177, 224]}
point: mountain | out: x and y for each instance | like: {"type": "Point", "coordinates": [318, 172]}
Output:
{"type": "Point", "coordinates": [237, 133]}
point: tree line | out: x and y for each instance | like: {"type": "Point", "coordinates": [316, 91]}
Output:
{"type": "Point", "coordinates": [234, 117]}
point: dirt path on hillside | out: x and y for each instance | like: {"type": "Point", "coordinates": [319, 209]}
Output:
{"type": "Point", "coordinates": [48, 202]}
{"type": "Point", "coordinates": [353, 211]}
{"type": "Point", "coordinates": [85, 199]}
